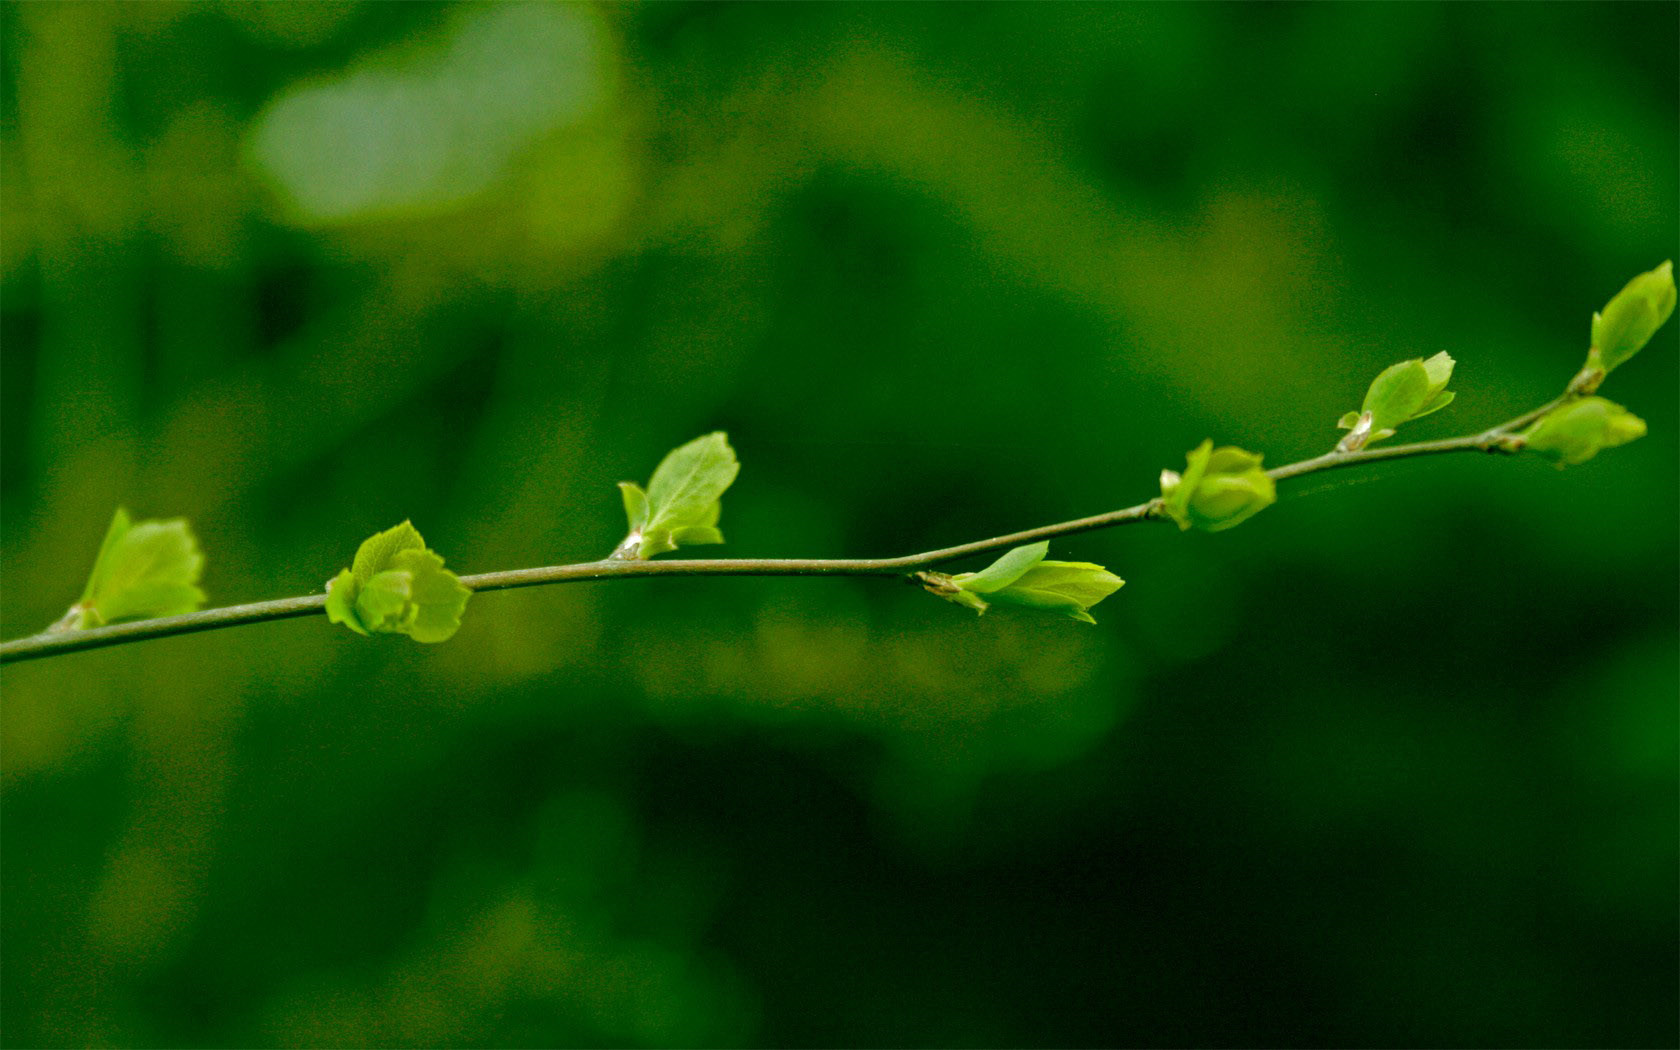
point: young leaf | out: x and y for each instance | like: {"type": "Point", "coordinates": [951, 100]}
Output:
{"type": "Point", "coordinates": [1023, 577]}
{"type": "Point", "coordinates": [1440, 369]}
{"type": "Point", "coordinates": [375, 553]}
{"type": "Point", "coordinates": [1067, 587]}
{"type": "Point", "coordinates": [682, 504]}
{"type": "Point", "coordinates": [1006, 570]}
{"type": "Point", "coordinates": [1397, 392]}
{"type": "Point", "coordinates": [704, 529]}
{"type": "Point", "coordinates": [436, 595]}
{"type": "Point", "coordinates": [144, 569]}
{"type": "Point", "coordinates": [1219, 489]}
{"type": "Point", "coordinates": [1579, 430]}
{"type": "Point", "coordinates": [1400, 393]}
{"type": "Point", "coordinates": [635, 504]}
{"type": "Point", "coordinates": [397, 586]}
{"type": "Point", "coordinates": [341, 601]}
{"type": "Point", "coordinates": [1630, 319]}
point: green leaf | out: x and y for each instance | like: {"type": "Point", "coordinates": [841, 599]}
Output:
{"type": "Point", "coordinates": [143, 570]}
{"type": "Point", "coordinates": [1005, 571]}
{"type": "Point", "coordinates": [398, 586]}
{"type": "Point", "coordinates": [341, 601]}
{"type": "Point", "coordinates": [1067, 587]}
{"type": "Point", "coordinates": [114, 533]}
{"type": "Point", "coordinates": [1397, 392]}
{"type": "Point", "coordinates": [375, 554]}
{"type": "Point", "coordinates": [1435, 404]}
{"type": "Point", "coordinates": [383, 603]}
{"type": "Point", "coordinates": [1629, 320]}
{"type": "Point", "coordinates": [1023, 577]}
{"type": "Point", "coordinates": [1440, 369]}
{"type": "Point", "coordinates": [437, 595]}
{"type": "Point", "coordinates": [704, 529]}
{"type": "Point", "coordinates": [635, 504]}
{"type": "Point", "coordinates": [1177, 489]}
{"type": "Point", "coordinates": [692, 477]}
{"type": "Point", "coordinates": [1232, 460]}
{"type": "Point", "coordinates": [1578, 431]}
{"type": "Point", "coordinates": [967, 599]}
{"type": "Point", "coordinates": [1219, 489]}
{"type": "Point", "coordinates": [694, 535]}
{"type": "Point", "coordinates": [648, 545]}
{"type": "Point", "coordinates": [682, 503]}
{"type": "Point", "coordinates": [1400, 393]}
{"type": "Point", "coordinates": [146, 599]}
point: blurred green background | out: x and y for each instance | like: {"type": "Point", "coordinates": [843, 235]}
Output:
{"type": "Point", "coordinates": [1394, 763]}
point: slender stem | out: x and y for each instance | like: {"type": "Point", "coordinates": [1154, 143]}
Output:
{"type": "Point", "coordinates": [57, 643]}
{"type": "Point", "coordinates": [1337, 460]}
{"type": "Point", "coordinates": [1489, 440]}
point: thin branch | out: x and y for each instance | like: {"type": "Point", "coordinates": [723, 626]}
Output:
{"type": "Point", "coordinates": [58, 643]}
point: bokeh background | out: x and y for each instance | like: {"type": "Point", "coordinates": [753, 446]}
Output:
{"type": "Point", "coordinates": [1394, 763]}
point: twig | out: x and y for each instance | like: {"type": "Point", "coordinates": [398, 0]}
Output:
{"type": "Point", "coordinates": [58, 643]}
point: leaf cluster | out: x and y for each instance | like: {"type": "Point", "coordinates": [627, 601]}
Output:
{"type": "Point", "coordinates": [1579, 430]}
{"type": "Point", "coordinates": [1400, 393]}
{"type": "Point", "coordinates": [144, 569]}
{"type": "Point", "coordinates": [1629, 319]}
{"type": "Point", "coordinates": [683, 501]}
{"type": "Point", "coordinates": [1219, 489]}
{"type": "Point", "coordinates": [1023, 577]}
{"type": "Point", "coordinates": [396, 585]}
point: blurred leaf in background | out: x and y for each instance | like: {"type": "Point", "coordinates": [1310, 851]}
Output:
{"type": "Point", "coordinates": [428, 124]}
{"type": "Point", "coordinates": [1376, 768]}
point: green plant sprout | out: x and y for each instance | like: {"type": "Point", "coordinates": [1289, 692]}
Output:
{"type": "Point", "coordinates": [1219, 489]}
{"type": "Point", "coordinates": [144, 570]}
{"type": "Point", "coordinates": [1574, 433]}
{"type": "Point", "coordinates": [681, 505]}
{"type": "Point", "coordinates": [1626, 324]}
{"type": "Point", "coordinates": [144, 582]}
{"type": "Point", "coordinates": [398, 586]}
{"type": "Point", "coordinates": [1023, 577]}
{"type": "Point", "coordinates": [1400, 393]}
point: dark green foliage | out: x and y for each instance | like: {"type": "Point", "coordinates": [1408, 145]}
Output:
{"type": "Point", "coordinates": [1376, 768]}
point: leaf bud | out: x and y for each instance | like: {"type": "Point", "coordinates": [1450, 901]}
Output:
{"type": "Point", "coordinates": [1577, 431]}
{"type": "Point", "coordinates": [1219, 489]}
{"type": "Point", "coordinates": [1023, 577]}
{"type": "Point", "coordinates": [1628, 321]}
{"type": "Point", "coordinates": [397, 585]}
{"type": "Point", "coordinates": [1400, 393]}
